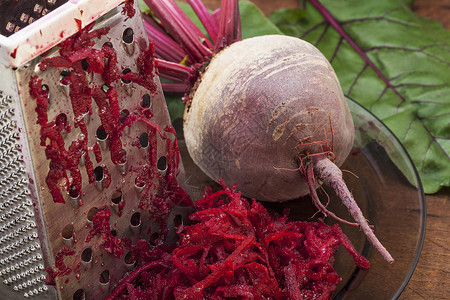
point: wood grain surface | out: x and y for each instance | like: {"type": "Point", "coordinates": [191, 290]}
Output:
{"type": "Point", "coordinates": [431, 277]}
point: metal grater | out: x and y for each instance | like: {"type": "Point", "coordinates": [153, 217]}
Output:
{"type": "Point", "coordinates": [33, 227]}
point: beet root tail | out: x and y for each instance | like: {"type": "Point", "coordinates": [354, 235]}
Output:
{"type": "Point", "coordinates": [325, 170]}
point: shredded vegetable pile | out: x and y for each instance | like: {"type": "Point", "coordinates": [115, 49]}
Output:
{"type": "Point", "coordinates": [236, 249]}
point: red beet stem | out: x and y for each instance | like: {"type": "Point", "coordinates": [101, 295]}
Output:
{"type": "Point", "coordinates": [331, 175]}
{"type": "Point", "coordinates": [229, 24]}
{"type": "Point", "coordinates": [175, 71]}
{"type": "Point", "coordinates": [179, 41]}
{"type": "Point", "coordinates": [205, 17]}
{"type": "Point", "coordinates": [166, 47]}
{"type": "Point", "coordinates": [176, 88]}
{"type": "Point", "coordinates": [329, 18]}
{"type": "Point", "coordinates": [181, 28]}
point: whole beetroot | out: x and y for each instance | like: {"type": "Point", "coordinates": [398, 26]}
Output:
{"type": "Point", "coordinates": [259, 109]}
{"type": "Point", "coordinates": [266, 107]}
{"type": "Point", "coordinates": [266, 113]}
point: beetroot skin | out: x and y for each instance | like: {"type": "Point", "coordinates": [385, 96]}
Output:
{"type": "Point", "coordinates": [261, 104]}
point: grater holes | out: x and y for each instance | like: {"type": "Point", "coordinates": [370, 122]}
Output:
{"type": "Point", "coordinates": [177, 221]}
{"type": "Point", "coordinates": [162, 164]}
{"type": "Point", "coordinates": [67, 235]}
{"type": "Point", "coordinates": [102, 137]}
{"type": "Point", "coordinates": [123, 115]}
{"type": "Point", "coordinates": [62, 121]}
{"type": "Point", "coordinates": [128, 36]}
{"type": "Point", "coordinates": [139, 184]}
{"type": "Point", "coordinates": [84, 64]}
{"type": "Point", "coordinates": [143, 140]}
{"type": "Point", "coordinates": [101, 133]}
{"type": "Point", "coordinates": [135, 220]}
{"type": "Point", "coordinates": [122, 162]}
{"type": "Point", "coordinates": [126, 71]}
{"type": "Point", "coordinates": [104, 278]}
{"type": "Point", "coordinates": [74, 193]}
{"type": "Point", "coordinates": [153, 240]}
{"type": "Point", "coordinates": [79, 295]}
{"type": "Point", "coordinates": [129, 260]}
{"type": "Point", "coordinates": [86, 255]}
{"type": "Point", "coordinates": [24, 17]}
{"type": "Point", "coordinates": [99, 173]}
{"type": "Point", "coordinates": [45, 91]}
{"type": "Point", "coordinates": [91, 213]}
{"type": "Point", "coordinates": [105, 88]}
{"type": "Point", "coordinates": [18, 14]}
{"type": "Point", "coordinates": [116, 197]}
{"type": "Point", "coordinates": [128, 40]}
{"type": "Point", "coordinates": [10, 27]}
{"type": "Point", "coordinates": [67, 232]}
{"type": "Point", "coordinates": [37, 9]}
{"type": "Point", "coordinates": [146, 101]}
{"type": "Point", "coordinates": [64, 77]}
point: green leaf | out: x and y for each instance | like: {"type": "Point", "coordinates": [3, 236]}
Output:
{"type": "Point", "coordinates": [143, 7]}
{"type": "Point", "coordinates": [253, 21]}
{"type": "Point", "coordinates": [287, 20]}
{"type": "Point", "coordinates": [412, 53]}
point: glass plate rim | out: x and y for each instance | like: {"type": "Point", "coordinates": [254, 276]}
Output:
{"type": "Point", "coordinates": [421, 193]}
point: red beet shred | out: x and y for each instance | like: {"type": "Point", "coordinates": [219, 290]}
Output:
{"type": "Point", "coordinates": [239, 250]}
{"type": "Point", "coordinates": [78, 56]}
{"type": "Point", "coordinates": [102, 228]}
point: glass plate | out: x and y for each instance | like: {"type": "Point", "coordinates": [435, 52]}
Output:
{"type": "Point", "coordinates": [387, 188]}
{"type": "Point", "coordinates": [389, 191]}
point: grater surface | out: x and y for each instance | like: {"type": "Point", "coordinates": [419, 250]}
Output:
{"type": "Point", "coordinates": [47, 218]}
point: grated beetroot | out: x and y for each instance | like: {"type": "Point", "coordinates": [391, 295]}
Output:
{"type": "Point", "coordinates": [128, 8]}
{"type": "Point", "coordinates": [101, 227]}
{"type": "Point", "coordinates": [239, 250]}
{"type": "Point", "coordinates": [97, 152]}
{"type": "Point", "coordinates": [78, 56]}
{"type": "Point", "coordinates": [145, 64]}
{"type": "Point", "coordinates": [60, 266]}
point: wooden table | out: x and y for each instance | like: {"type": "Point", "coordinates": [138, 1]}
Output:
{"type": "Point", "coordinates": [431, 277]}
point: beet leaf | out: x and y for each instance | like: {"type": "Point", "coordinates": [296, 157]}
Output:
{"type": "Point", "coordinates": [394, 63]}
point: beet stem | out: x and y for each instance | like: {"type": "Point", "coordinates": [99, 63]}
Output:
{"type": "Point", "coordinates": [176, 88]}
{"type": "Point", "coordinates": [338, 27]}
{"type": "Point", "coordinates": [175, 71]}
{"type": "Point", "coordinates": [181, 28]}
{"type": "Point", "coordinates": [331, 175]}
{"type": "Point", "coordinates": [205, 17]}
{"type": "Point", "coordinates": [229, 24]}
{"type": "Point", "coordinates": [166, 47]}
